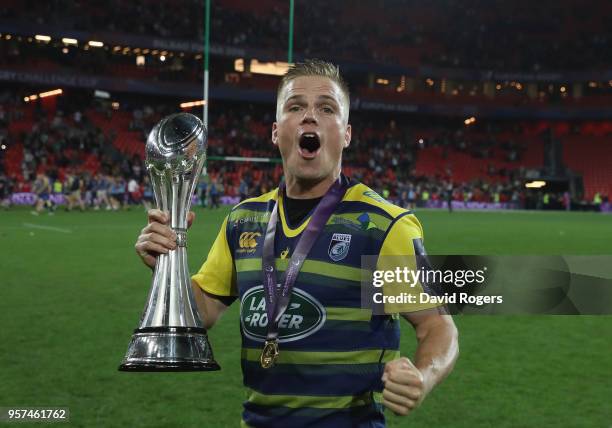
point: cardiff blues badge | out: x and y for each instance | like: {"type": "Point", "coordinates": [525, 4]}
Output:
{"type": "Point", "coordinates": [339, 246]}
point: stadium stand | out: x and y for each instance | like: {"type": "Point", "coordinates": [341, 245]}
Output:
{"type": "Point", "coordinates": [539, 110]}
{"type": "Point", "coordinates": [479, 34]}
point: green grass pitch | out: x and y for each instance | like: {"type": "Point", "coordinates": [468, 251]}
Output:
{"type": "Point", "coordinates": [72, 290]}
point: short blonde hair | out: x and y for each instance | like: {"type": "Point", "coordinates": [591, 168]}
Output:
{"type": "Point", "coordinates": [318, 68]}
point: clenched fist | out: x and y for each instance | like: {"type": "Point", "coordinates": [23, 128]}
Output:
{"type": "Point", "coordinates": [404, 387]}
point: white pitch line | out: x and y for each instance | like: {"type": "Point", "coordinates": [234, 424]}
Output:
{"type": "Point", "coordinates": [51, 228]}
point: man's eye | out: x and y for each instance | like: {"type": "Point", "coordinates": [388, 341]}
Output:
{"type": "Point", "coordinates": [327, 109]}
{"type": "Point", "coordinates": [294, 108]}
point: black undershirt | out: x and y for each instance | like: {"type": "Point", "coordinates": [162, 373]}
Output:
{"type": "Point", "coordinates": [298, 209]}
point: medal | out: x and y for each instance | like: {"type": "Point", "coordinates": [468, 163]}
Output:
{"type": "Point", "coordinates": [269, 354]}
{"type": "Point", "coordinates": [277, 300]}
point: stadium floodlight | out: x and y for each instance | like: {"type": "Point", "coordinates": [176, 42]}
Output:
{"type": "Point", "coordinates": [31, 98]}
{"type": "Point", "coordinates": [193, 104]}
{"type": "Point", "coordinates": [42, 38]}
{"type": "Point", "coordinates": [95, 44]}
{"type": "Point", "coordinates": [50, 93]}
{"type": "Point", "coordinates": [239, 65]}
{"type": "Point", "coordinates": [101, 94]}
{"type": "Point", "coordinates": [277, 68]}
{"type": "Point", "coordinates": [536, 184]}
{"type": "Point", "coordinates": [69, 41]}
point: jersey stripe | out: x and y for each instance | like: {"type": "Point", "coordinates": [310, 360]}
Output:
{"type": "Point", "coordinates": [313, 401]}
{"type": "Point", "coordinates": [309, 266]}
{"type": "Point", "coordinates": [362, 356]}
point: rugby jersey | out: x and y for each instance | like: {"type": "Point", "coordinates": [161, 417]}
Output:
{"type": "Point", "coordinates": [332, 352]}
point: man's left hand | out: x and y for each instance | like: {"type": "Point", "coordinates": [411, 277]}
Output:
{"type": "Point", "coordinates": [404, 386]}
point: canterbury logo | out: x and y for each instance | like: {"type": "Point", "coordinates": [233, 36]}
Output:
{"type": "Point", "coordinates": [248, 239]}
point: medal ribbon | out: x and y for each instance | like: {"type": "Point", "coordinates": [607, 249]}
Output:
{"type": "Point", "coordinates": [278, 300]}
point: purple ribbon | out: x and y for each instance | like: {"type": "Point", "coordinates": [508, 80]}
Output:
{"type": "Point", "coordinates": [277, 301]}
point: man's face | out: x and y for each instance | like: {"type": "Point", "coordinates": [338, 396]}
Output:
{"type": "Point", "coordinates": [311, 129]}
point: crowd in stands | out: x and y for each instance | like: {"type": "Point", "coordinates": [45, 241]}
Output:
{"type": "Point", "coordinates": [67, 151]}
{"type": "Point", "coordinates": [500, 35]}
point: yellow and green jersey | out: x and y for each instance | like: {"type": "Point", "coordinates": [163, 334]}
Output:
{"type": "Point", "coordinates": [332, 351]}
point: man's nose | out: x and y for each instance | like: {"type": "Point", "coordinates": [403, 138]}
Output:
{"type": "Point", "coordinates": [309, 115]}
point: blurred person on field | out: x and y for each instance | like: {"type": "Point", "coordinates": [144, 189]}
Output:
{"type": "Point", "coordinates": [203, 189]}
{"type": "Point", "coordinates": [148, 197]}
{"type": "Point", "coordinates": [75, 186]}
{"type": "Point", "coordinates": [42, 190]}
{"type": "Point", "coordinates": [5, 191]}
{"type": "Point", "coordinates": [213, 193]}
{"type": "Point", "coordinates": [117, 193]}
{"type": "Point", "coordinates": [133, 189]}
{"type": "Point", "coordinates": [102, 185]}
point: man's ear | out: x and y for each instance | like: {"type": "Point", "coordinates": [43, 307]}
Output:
{"type": "Point", "coordinates": [275, 134]}
{"type": "Point", "coordinates": [347, 136]}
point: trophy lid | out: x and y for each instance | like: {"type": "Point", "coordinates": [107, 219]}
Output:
{"type": "Point", "coordinates": [178, 137]}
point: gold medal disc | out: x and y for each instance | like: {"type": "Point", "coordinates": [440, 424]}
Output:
{"type": "Point", "coordinates": [269, 354]}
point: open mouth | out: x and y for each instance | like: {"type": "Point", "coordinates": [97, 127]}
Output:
{"type": "Point", "coordinates": [309, 145]}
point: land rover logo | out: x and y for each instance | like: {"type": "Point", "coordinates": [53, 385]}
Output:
{"type": "Point", "coordinates": [304, 316]}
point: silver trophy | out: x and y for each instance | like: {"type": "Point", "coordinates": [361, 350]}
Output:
{"type": "Point", "coordinates": [171, 335]}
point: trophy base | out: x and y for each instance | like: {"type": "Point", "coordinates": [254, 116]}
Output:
{"type": "Point", "coordinates": [169, 349]}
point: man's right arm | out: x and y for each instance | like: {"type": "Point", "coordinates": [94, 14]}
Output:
{"type": "Point", "coordinates": [210, 306]}
{"type": "Point", "coordinates": [157, 238]}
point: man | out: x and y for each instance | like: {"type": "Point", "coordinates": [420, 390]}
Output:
{"type": "Point", "coordinates": [243, 189]}
{"type": "Point", "coordinates": [101, 190]}
{"type": "Point", "coordinates": [74, 186]}
{"type": "Point", "coordinates": [448, 196]}
{"type": "Point", "coordinates": [334, 358]}
{"type": "Point", "coordinates": [5, 191]}
{"type": "Point", "coordinates": [214, 193]}
{"type": "Point", "coordinates": [42, 189]}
